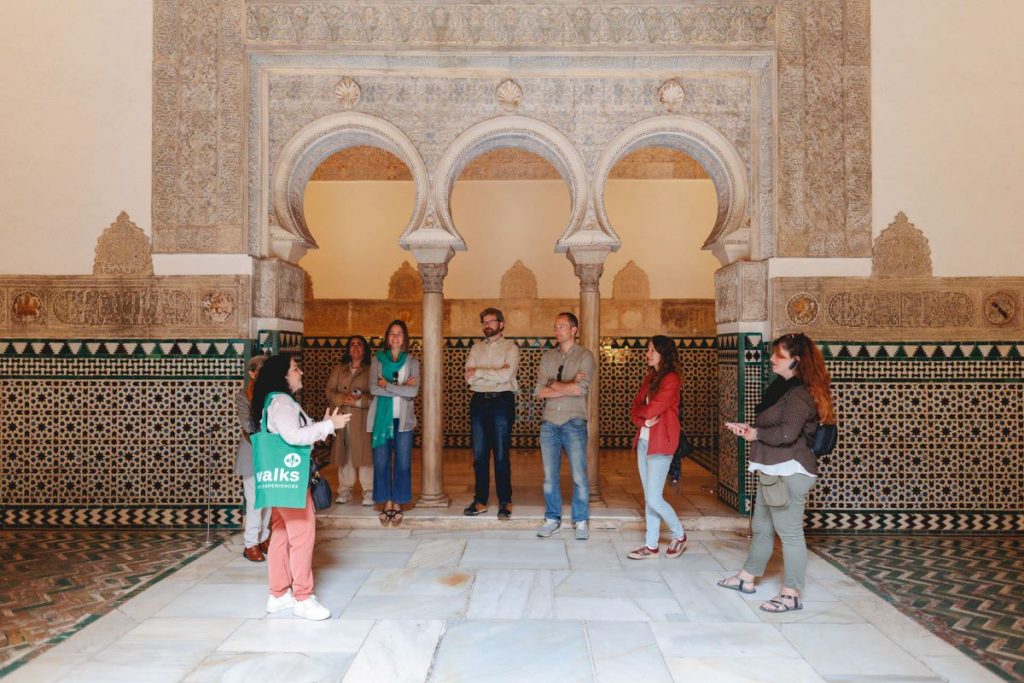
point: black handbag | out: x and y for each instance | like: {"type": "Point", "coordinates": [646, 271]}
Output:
{"type": "Point", "coordinates": [825, 438]}
{"type": "Point", "coordinates": [319, 488]}
{"type": "Point", "coordinates": [685, 448]}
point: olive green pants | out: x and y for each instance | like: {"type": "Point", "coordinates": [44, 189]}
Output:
{"type": "Point", "coordinates": [788, 522]}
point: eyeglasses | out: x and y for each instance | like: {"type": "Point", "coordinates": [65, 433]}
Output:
{"type": "Point", "coordinates": [558, 377]}
{"type": "Point", "coordinates": [493, 321]}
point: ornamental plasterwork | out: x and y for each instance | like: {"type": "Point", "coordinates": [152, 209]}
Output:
{"type": "Point", "coordinates": [631, 283]}
{"type": "Point", "coordinates": [405, 283]}
{"type": "Point", "coordinates": [565, 25]}
{"type": "Point", "coordinates": [672, 95]}
{"type": "Point", "coordinates": [901, 250]}
{"type": "Point", "coordinates": [880, 309]}
{"type": "Point", "coordinates": [123, 249]}
{"type": "Point", "coordinates": [518, 282]}
{"type": "Point", "coordinates": [347, 92]}
{"type": "Point", "coordinates": [508, 95]}
{"type": "Point", "coordinates": [136, 306]}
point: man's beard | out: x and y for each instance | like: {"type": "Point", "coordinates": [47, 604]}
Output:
{"type": "Point", "coordinates": [491, 331]}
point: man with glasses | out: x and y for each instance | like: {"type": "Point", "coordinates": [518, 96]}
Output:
{"type": "Point", "coordinates": [491, 374]}
{"type": "Point", "coordinates": [563, 380]}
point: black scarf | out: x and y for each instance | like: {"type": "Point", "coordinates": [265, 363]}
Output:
{"type": "Point", "coordinates": [776, 390]}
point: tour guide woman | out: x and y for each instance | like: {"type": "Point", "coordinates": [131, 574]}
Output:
{"type": "Point", "coordinates": [786, 419]}
{"type": "Point", "coordinates": [655, 413]}
{"type": "Point", "coordinates": [395, 375]}
{"type": "Point", "coordinates": [293, 530]}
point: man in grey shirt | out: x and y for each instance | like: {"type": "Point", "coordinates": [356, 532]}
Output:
{"type": "Point", "coordinates": [563, 381]}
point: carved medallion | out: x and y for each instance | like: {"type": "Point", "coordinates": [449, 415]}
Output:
{"type": "Point", "coordinates": [27, 307]}
{"type": "Point", "coordinates": [509, 94]}
{"type": "Point", "coordinates": [671, 95]}
{"type": "Point", "coordinates": [348, 92]}
{"type": "Point", "coordinates": [1000, 307]}
{"type": "Point", "coordinates": [802, 309]}
{"type": "Point", "coordinates": [218, 307]}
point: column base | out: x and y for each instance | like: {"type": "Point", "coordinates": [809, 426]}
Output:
{"type": "Point", "coordinates": [434, 500]}
{"type": "Point", "coordinates": [597, 499]}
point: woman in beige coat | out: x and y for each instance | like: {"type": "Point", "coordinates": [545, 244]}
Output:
{"type": "Point", "coordinates": [349, 388]}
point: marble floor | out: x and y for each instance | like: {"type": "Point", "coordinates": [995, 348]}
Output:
{"type": "Point", "coordinates": [501, 605]}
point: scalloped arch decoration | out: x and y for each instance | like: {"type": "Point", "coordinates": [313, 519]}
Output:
{"type": "Point", "coordinates": [322, 138]}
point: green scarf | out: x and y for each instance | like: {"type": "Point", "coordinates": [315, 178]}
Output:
{"type": "Point", "coordinates": [384, 418]}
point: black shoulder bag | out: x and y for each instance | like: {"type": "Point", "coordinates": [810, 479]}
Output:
{"type": "Point", "coordinates": [825, 438]}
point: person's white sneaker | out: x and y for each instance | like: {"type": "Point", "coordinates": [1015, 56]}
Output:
{"type": "Point", "coordinates": [549, 527]}
{"type": "Point", "coordinates": [582, 530]}
{"type": "Point", "coordinates": [368, 499]}
{"type": "Point", "coordinates": [275, 605]}
{"type": "Point", "coordinates": [343, 497]}
{"type": "Point", "coordinates": [311, 609]}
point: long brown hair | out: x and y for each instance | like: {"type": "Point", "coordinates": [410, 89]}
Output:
{"type": "Point", "coordinates": [811, 369]}
{"type": "Point", "coordinates": [666, 348]}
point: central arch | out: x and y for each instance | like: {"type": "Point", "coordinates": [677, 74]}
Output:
{"type": "Point", "coordinates": [521, 132]}
{"type": "Point", "coordinates": [708, 147]}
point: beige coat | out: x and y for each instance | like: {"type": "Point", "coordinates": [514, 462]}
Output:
{"type": "Point", "coordinates": [354, 441]}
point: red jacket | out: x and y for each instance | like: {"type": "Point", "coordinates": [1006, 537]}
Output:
{"type": "Point", "coordinates": [664, 437]}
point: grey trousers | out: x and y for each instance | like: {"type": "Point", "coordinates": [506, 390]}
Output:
{"type": "Point", "coordinates": [788, 522]}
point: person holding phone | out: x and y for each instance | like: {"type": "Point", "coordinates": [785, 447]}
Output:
{"type": "Point", "coordinates": [395, 374]}
{"type": "Point", "coordinates": [786, 418]}
{"type": "Point", "coordinates": [348, 387]}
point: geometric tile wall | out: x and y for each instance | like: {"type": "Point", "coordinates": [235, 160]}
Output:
{"type": "Point", "coordinates": [622, 369]}
{"type": "Point", "coordinates": [930, 439]}
{"type": "Point", "coordinates": [119, 432]}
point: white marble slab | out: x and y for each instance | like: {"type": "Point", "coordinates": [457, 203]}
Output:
{"type": "Point", "coordinates": [396, 651]}
{"type": "Point", "coordinates": [97, 635]}
{"type": "Point", "coordinates": [626, 652]}
{"type": "Point", "coordinates": [537, 553]}
{"type": "Point", "coordinates": [409, 582]}
{"type": "Point", "coordinates": [614, 584]}
{"type": "Point", "coordinates": [48, 667]}
{"type": "Point", "coordinates": [512, 594]}
{"type": "Point", "coordinates": [337, 558]}
{"type": "Point", "coordinates": [512, 650]}
{"type": "Point", "coordinates": [743, 670]}
{"type": "Point", "coordinates": [839, 650]}
{"type": "Point", "coordinates": [618, 609]}
{"type": "Point", "coordinates": [297, 635]}
{"type": "Point", "coordinates": [898, 627]}
{"type": "Point", "coordinates": [437, 552]}
{"type": "Point", "coordinates": [703, 601]}
{"type": "Point", "coordinates": [402, 607]}
{"type": "Point", "coordinates": [720, 640]}
{"type": "Point", "coordinates": [222, 667]}
{"type": "Point", "coordinates": [242, 601]}
{"type": "Point", "coordinates": [594, 554]}
{"type": "Point", "coordinates": [150, 601]}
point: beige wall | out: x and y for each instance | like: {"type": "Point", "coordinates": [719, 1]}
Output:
{"type": "Point", "coordinates": [74, 128]}
{"type": "Point", "coordinates": [947, 102]}
{"type": "Point", "coordinates": [948, 128]}
{"type": "Point", "coordinates": [662, 223]}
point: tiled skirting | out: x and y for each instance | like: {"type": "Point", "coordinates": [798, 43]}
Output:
{"type": "Point", "coordinates": [119, 432]}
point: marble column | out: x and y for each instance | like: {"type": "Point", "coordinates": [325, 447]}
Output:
{"type": "Point", "coordinates": [589, 275]}
{"type": "Point", "coordinates": [432, 492]}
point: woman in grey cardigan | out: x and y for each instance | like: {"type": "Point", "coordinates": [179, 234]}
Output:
{"type": "Point", "coordinates": [257, 522]}
{"type": "Point", "coordinates": [395, 381]}
{"type": "Point", "coordinates": [786, 418]}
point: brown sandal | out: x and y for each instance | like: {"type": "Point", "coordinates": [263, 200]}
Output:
{"type": "Point", "coordinates": [385, 518]}
{"type": "Point", "coordinates": [737, 585]}
{"type": "Point", "coordinates": [782, 603]}
{"type": "Point", "coordinates": [396, 518]}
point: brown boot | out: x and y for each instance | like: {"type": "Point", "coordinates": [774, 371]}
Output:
{"type": "Point", "coordinates": [253, 554]}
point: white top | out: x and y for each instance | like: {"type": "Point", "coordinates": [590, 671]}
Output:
{"type": "Point", "coordinates": [285, 417]}
{"type": "Point", "coordinates": [782, 469]}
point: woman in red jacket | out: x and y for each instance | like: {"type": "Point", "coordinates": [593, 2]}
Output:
{"type": "Point", "coordinates": [655, 413]}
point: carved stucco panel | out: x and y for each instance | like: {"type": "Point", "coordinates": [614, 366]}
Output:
{"type": "Point", "coordinates": [518, 282]}
{"type": "Point", "coordinates": [278, 289]}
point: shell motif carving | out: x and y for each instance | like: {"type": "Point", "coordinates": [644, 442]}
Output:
{"type": "Point", "coordinates": [509, 94]}
{"type": "Point", "coordinates": [348, 92]}
{"type": "Point", "coordinates": [671, 94]}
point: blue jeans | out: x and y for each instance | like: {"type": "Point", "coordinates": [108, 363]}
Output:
{"type": "Point", "coordinates": [392, 469]}
{"type": "Point", "coordinates": [572, 436]}
{"type": "Point", "coordinates": [491, 416]}
{"type": "Point", "coordinates": [653, 472]}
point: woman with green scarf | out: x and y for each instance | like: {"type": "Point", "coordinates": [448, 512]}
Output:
{"type": "Point", "coordinates": [395, 374]}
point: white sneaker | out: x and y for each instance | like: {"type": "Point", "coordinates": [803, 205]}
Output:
{"type": "Point", "coordinates": [550, 526]}
{"type": "Point", "coordinates": [275, 605]}
{"type": "Point", "coordinates": [343, 497]}
{"type": "Point", "coordinates": [311, 609]}
{"type": "Point", "coordinates": [368, 499]}
{"type": "Point", "coordinates": [582, 530]}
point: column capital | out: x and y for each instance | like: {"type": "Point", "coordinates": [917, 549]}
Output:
{"type": "Point", "coordinates": [433, 275]}
{"type": "Point", "coordinates": [589, 275]}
